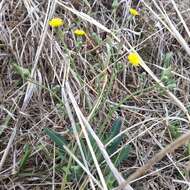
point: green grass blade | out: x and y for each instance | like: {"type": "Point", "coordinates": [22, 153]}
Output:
{"type": "Point", "coordinates": [55, 137]}
{"type": "Point", "coordinates": [25, 158]}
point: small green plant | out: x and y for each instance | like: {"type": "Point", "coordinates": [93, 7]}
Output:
{"type": "Point", "coordinates": [174, 130]}
{"type": "Point", "coordinates": [166, 75]}
{"type": "Point", "coordinates": [75, 171]}
{"type": "Point", "coordinates": [118, 158]}
{"type": "Point", "coordinates": [167, 79]}
{"type": "Point", "coordinates": [21, 71]}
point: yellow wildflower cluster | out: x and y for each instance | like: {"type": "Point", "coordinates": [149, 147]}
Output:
{"type": "Point", "coordinates": [58, 22]}
{"type": "Point", "coordinates": [133, 58]}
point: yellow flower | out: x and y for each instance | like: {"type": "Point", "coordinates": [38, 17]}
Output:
{"type": "Point", "coordinates": [134, 59]}
{"type": "Point", "coordinates": [133, 12]}
{"type": "Point", "coordinates": [56, 22]}
{"type": "Point", "coordinates": [79, 32]}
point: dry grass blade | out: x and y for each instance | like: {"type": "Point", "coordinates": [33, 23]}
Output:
{"type": "Point", "coordinates": [6, 151]}
{"type": "Point", "coordinates": [31, 87]}
{"type": "Point", "coordinates": [65, 100]}
{"type": "Point", "coordinates": [181, 18]}
{"type": "Point", "coordinates": [170, 148]}
{"type": "Point", "coordinates": [99, 99]}
{"type": "Point", "coordinates": [169, 25]}
{"type": "Point", "coordinates": [85, 17]}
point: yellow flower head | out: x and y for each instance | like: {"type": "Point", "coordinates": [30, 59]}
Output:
{"type": "Point", "coordinates": [79, 32]}
{"type": "Point", "coordinates": [133, 12]}
{"type": "Point", "coordinates": [56, 22]}
{"type": "Point", "coordinates": [134, 59]}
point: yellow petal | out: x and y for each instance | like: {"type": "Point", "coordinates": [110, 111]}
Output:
{"type": "Point", "coordinates": [134, 59]}
{"type": "Point", "coordinates": [133, 12]}
{"type": "Point", "coordinates": [79, 32]}
{"type": "Point", "coordinates": [56, 22]}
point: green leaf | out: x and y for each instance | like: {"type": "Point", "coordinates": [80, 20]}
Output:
{"type": "Point", "coordinates": [167, 59]}
{"type": "Point", "coordinates": [187, 151]}
{"type": "Point", "coordinates": [96, 150]}
{"type": "Point", "coordinates": [174, 130]}
{"type": "Point", "coordinates": [171, 85]}
{"type": "Point", "coordinates": [110, 181]}
{"type": "Point", "coordinates": [25, 158]}
{"type": "Point", "coordinates": [55, 137]}
{"type": "Point", "coordinates": [123, 155]}
{"type": "Point", "coordinates": [117, 160]}
{"type": "Point", "coordinates": [97, 39]}
{"type": "Point", "coordinates": [23, 72]}
{"type": "Point", "coordinates": [114, 145]}
{"type": "Point", "coordinates": [76, 172]}
{"type": "Point", "coordinates": [116, 127]}
{"type": "Point", "coordinates": [115, 4]}
{"type": "Point", "coordinates": [167, 75]}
